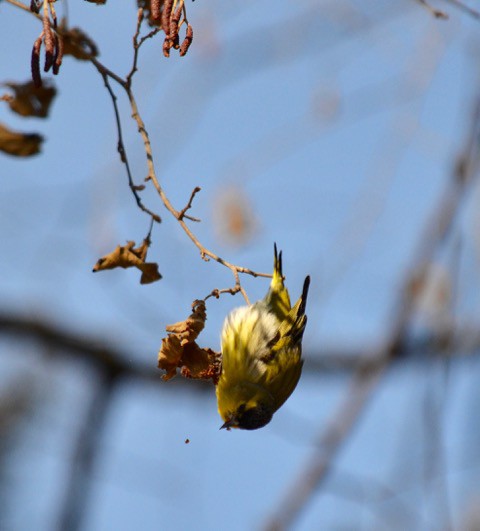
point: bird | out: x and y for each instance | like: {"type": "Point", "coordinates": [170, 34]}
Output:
{"type": "Point", "coordinates": [261, 355]}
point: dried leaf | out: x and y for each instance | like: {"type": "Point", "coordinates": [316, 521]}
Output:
{"type": "Point", "coordinates": [187, 331]}
{"type": "Point", "coordinates": [179, 349]}
{"type": "Point", "coordinates": [199, 363]}
{"type": "Point", "coordinates": [77, 43]}
{"type": "Point", "coordinates": [31, 101]}
{"type": "Point", "coordinates": [19, 144]}
{"type": "Point", "coordinates": [127, 256]}
{"type": "Point", "coordinates": [169, 356]}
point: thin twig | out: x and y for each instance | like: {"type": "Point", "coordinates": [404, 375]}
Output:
{"type": "Point", "coordinates": [463, 7]}
{"type": "Point", "coordinates": [136, 47]}
{"type": "Point", "coordinates": [182, 212]}
{"type": "Point", "coordinates": [204, 252]}
{"type": "Point", "coordinates": [137, 44]}
{"type": "Point", "coordinates": [233, 291]}
{"type": "Point", "coordinates": [21, 5]}
{"type": "Point", "coordinates": [126, 84]}
{"type": "Point", "coordinates": [148, 237]}
{"type": "Point", "coordinates": [103, 70]}
{"type": "Point", "coordinates": [123, 153]}
{"type": "Point", "coordinates": [435, 12]}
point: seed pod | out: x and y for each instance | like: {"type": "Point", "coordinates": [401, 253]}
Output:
{"type": "Point", "coordinates": [35, 62]}
{"type": "Point", "coordinates": [187, 41]}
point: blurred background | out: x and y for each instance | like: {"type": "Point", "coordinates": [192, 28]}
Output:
{"type": "Point", "coordinates": [346, 131]}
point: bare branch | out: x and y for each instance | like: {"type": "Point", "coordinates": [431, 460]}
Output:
{"type": "Point", "coordinates": [126, 84]}
{"type": "Point", "coordinates": [137, 44]}
{"type": "Point", "coordinates": [182, 212]}
{"type": "Point", "coordinates": [435, 12]}
{"type": "Point", "coordinates": [463, 7]}
{"type": "Point", "coordinates": [123, 154]}
{"type": "Point", "coordinates": [233, 291]}
{"type": "Point", "coordinates": [85, 454]}
{"type": "Point", "coordinates": [204, 252]}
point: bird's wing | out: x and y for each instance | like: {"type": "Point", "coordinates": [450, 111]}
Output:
{"type": "Point", "coordinates": [284, 363]}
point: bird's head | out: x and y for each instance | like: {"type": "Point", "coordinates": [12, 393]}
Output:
{"type": "Point", "coordinates": [246, 406]}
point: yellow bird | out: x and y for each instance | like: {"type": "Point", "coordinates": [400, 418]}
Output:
{"type": "Point", "coordinates": [261, 355]}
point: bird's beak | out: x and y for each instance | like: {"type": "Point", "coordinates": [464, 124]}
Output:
{"type": "Point", "coordinates": [230, 423]}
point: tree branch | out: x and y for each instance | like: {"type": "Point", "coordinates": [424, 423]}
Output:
{"type": "Point", "coordinates": [435, 12]}
{"type": "Point", "coordinates": [126, 85]}
{"type": "Point", "coordinates": [85, 454]}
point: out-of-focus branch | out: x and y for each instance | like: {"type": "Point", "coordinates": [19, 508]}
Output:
{"type": "Point", "coordinates": [123, 153]}
{"type": "Point", "coordinates": [110, 359]}
{"type": "Point", "coordinates": [463, 7]}
{"type": "Point", "coordinates": [15, 400]}
{"type": "Point", "coordinates": [84, 455]}
{"type": "Point", "coordinates": [365, 379]}
{"type": "Point", "coordinates": [435, 12]}
{"type": "Point", "coordinates": [457, 3]}
{"type": "Point", "coordinates": [107, 358]}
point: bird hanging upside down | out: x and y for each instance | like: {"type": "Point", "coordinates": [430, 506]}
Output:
{"type": "Point", "coordinates": [261, 355]}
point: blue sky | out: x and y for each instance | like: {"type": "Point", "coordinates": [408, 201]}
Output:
{"type": "Point", "coordinates": [340, 123]}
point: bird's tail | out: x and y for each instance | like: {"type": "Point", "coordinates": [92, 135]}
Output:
{"type": "Point", "coordinates": [294, 323]}
{"type": "Point", "coordinates": [277, 298]}
{"type": "Point", "coordinates": [277, 277]}
{"type": "Point", "coordinates": [303, 298]}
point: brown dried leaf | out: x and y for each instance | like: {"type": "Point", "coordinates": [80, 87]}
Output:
{"type": "Point", "coordinates": [179, 349]}
{"type": "Point", "coordinates": [77, 43]}
{"type": "Point", "coordinates": [200, 363]}
{"type": "Point", "coordinates": [150, 273]}
{"type": "Point", "coordinates": [169, 356]}
{"type": "Point", "coordinates": [187, 331]}
{"type": "Point", "coordinates": [19, 144]}
{"type": "Point", "coordinates": [31, 101]}
{"type": "Point", "coordinates": [126, 256]}
{"type": "Point", "coordinates": [141, 251]}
